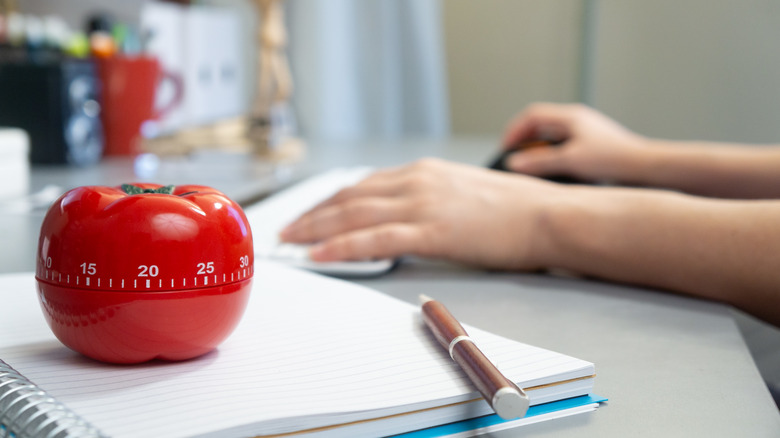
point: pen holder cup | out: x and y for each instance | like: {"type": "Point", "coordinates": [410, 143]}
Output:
{"type": "Point", "coordinates": [132, 327]}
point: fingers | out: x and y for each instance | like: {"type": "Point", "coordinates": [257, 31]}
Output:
{"type": "Point", "coordinates": [330, 220]}
{"type": "Point", "coordinates": [389, 240]}
{"type": "Point", "coordinates": [384, 182]}
{"type": "Point", "coordinates": [541, 121]}
{"type": "Point", "coordinates": [540, 161]}
{"type": "Point", "coordinates": [392, 182]}
{"type": "Point", "coordinates": [385, 196]}
{"type": "Point", "coordinates": [370, 187]}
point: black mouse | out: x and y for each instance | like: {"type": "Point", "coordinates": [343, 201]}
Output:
{"type": "Point", "coordinates": [498, 163]}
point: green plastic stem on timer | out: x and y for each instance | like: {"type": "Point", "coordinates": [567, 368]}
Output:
{"type": "Point", "coordinates": [135, 190]}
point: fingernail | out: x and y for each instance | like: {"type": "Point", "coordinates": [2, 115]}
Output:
{"type": "Point", "coordinates": [317, 252]}
{"type": "Point", "coordinates": [288, 231]}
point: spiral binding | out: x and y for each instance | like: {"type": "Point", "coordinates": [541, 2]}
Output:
{"type": "Point", "coordinates": [27, 411]}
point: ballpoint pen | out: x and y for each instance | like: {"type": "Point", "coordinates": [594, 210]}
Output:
{"type": "Point", "coordinates": [503, 395]}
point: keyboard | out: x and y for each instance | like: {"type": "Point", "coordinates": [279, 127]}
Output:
{"type": "Point", "coordinates": [268, 217]}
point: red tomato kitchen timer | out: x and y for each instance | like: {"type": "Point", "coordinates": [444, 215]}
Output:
{"type": "Point", "coordinates": [140, 272]}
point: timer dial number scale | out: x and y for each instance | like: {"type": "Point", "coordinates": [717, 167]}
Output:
{"type": "Point", "coordinates": [148, 277]}
{"type": "Point", "coordinates": [154, 242]}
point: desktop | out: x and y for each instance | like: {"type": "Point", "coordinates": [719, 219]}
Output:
{"type": "Point", "coordinates": [668, 363]}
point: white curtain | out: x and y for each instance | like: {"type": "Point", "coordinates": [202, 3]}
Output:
{"type": "Point", "coordinates": [368, 68]}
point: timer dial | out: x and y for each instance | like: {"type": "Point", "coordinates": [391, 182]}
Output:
{"type": "Point", "coordinates": [134, 259]}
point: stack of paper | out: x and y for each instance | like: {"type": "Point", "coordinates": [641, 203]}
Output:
{"type": "Point", "coordinates": [311, 354]}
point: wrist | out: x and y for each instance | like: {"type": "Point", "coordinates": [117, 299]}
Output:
{"type": "Point", "coordinates": [558, 220]}
{"type": "Point", "coordinates": [577, 226]}
{"type": "Point", "coordinates": [660, 163]}
{"type": "Point", "coordinates": [636, 163]}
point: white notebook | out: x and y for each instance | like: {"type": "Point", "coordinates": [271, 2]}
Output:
{"type": "Point", "coordinates": [268, 217]}
{"type": "Point", "coordinates": [312, 354]}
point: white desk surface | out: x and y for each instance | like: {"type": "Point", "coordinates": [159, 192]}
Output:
{"type": "Point", "coordinates": [670, 365]}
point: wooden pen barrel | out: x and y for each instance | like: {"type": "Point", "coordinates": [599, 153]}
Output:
{"type": "Point", "coordinates": [441, 322]}
{"type": "Point", "coordinates": [480, 370]}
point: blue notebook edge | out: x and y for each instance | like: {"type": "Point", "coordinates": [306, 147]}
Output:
{"type": "Point", "coordinates": [493, 419]}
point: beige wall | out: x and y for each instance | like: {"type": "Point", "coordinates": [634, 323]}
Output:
{"type": "Point", "coordinates": [504, 54]}
{"type": "Point", "coordinates": [693, 69]}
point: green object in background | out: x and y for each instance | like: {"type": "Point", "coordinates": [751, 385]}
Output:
{"type": "Point", "coordinates": [119, 32]}
{"type": "Point", "coordinates": [77, 45]}
{"type": "Point", "coordinates": [126, 38]}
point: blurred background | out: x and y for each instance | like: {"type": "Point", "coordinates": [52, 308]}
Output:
{"type": "Point", "coordinates": [370, 68]}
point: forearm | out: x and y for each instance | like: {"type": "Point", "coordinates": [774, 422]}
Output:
{"type": "Point", "coordinates": [716, 249]}
{"type": "Point", "coordinates": [709, 169]}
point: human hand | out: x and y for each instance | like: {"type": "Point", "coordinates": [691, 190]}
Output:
{"type": "Point", "coordinates": [432, 208]}
{"type": "Point", "coordinates": [594, 147]}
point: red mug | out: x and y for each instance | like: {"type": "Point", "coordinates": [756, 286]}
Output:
{"type": "Point", "coordinates": [129, 85]}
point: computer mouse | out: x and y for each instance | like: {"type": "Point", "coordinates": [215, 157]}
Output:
{"type": "Point", "coordinates": [499, 162]}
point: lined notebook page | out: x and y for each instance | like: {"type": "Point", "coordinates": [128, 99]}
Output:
{"type": "Point", "coordinates": [310, 351]}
